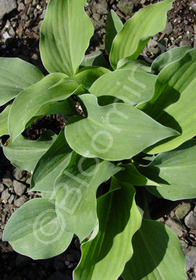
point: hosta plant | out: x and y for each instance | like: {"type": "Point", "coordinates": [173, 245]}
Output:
{"type": "Point", "coordinates": [131, 140]}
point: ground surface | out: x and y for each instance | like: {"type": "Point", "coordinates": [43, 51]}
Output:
{"type": "Point", "coordinates": [19, 37]}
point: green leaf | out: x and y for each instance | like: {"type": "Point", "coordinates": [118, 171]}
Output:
{"type": "Point", "coordinates": [173, 173]}
{"type": "Point", "coordinates": [173, 103]}
{"type": "Point", "coordinates": [35, 231]}
{"type": "Point", "coordinates": [133, 86]}
{"type": "Point", "coordinates": [127, 63]}
{"type": "Point", "coordinates": [76, 193]}
{"type": "Point", "coordinates": [113, 132]}
{"type": "Point", "coordinates": [96, 58]}
{"type": "Point", "coordinates": [15, 76]}
{"type": "Point", "coordinates": [65, 108]}
{"type": "Point", "coordinates": [157, 254]}
{"type": "Point", "coordinates": [65, 34]}
{"type": "Point", "coordinates": [50, 166]}
{"type": "Point", "coordinates": [131, 175]}
{"type": "Point", "coordinates": [4, 121]}
{"type": "Point", "coordinates": [113, 26]}
{"type": "Point", "coordinates": [88, 75]}
{"type": "Point", "coordinates": [106, 255]}
{"type": "Point", "coordinates": [54, 87]}
{"type": "Point", "coordinates": [137, 31]}
{"type": "Point", "coordinates": [24, 153]}
{"type": "Point", "coordinates": [168, 57]}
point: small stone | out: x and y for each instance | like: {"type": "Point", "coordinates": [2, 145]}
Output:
{"type": "Point", "coordinates": [34, 3]}
{"type": "Point", "coordinates": [28, 181]}
{"type": "Point", "coordinates": [190, 220]}
{"type": "Point", "coordinates": [153, 46]}
{"type": "Point", "coordinates": [5, 194]}
{"type": "Point", "coordinates": [11, 31]}
{"type": "Point", "coordinates": [21, 6]}
{"type": "Point", "coordinates": [175, 227]}
{"type": "Point", "coordinates": [18, 173]}
{"type": "Point", "coordinates": [19, 188]}
{"type": "Point", "coordinates": [160, 220]}
{"type": "Point", "coordinates": [182, 210]}
{"type": "Point", "coordinates": [193, 6]}
{"type": "Point", "coordinates": [1, 187]}
{"type": "Point", "coordinates": [126, 7]}
{"type": "Point", "coordinates": [7, 182]}
{"type": "Point", "coordinates": [101, 8]}
{"type": "Point", "coordinates": [6, 6]}
{"type": "Point", "coordinates": [20, 201]}
{"type": "Point", "coordinates": [43, 14]}
{"type": "Point", "coordinates": [11, 199]}
{"type": "Point", "coordinates": [96, 17]}
{"type": "Point", "coordinates": [184, 43]}
{"type": "Point", "coordinates": [6, 35]}
{"type": "Point", "coordinates": [35, 56]}
{"type": "Point", "coordinates": [24, 17]}
{"type": "Point", "coordinates": [191, 259]}
{"type": "Point", "coordinates": [30, 11]}
{"type": "Point", "coordinates": [7, 25]}
{"type": "Point", "coordinates": [35, 12]}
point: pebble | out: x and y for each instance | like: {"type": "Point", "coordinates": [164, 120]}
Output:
{"type": "Point", "coordinates": [43, 14]}
{"type": "Point", "coordinates": [20, 201]}
{"type": "Point", "coordinates": [18, 173]}
{"type": "Point", "coordinates": [6, 35]}
{"type": "Point", "coordinates": [6, 6]}
{"type": "Point", "coordinates": [21, 6]}
{"type": "Point", "coordinates": [34, 3]}
{"type": "Point", "coordinates": [175, 227]}
{"type": "Point", "coordinates": [193, 6]}
{"type": "Point", "coordinates": [1, 187]}
{"type": "Point", "coordinates": [190, 219]}
{"type": "Point", "coordinates": [35, 56]}
{"type": "Point", "coordinates": [24, 17]}
{"type": "Point", "coordinates": [11, 31]}
{"type": "Point", "coordinates": [7, 182]}
{"type": "Point", "coordinates": [19, 188]}
{"type": "Point", "coordinates": [185, 42]}
{"type": "Point", "coordinates": [11, 199]}
{"type": "Point", "coordinates": [101, 7]}
{"type": "Point", "coordinates": [153, 46]}
{"type": "Point", "coordinates": [5, 194]}
{"type": "Point", "coordinates": [126, 7]}
{"type": "Point", "coordinates": [191, 259]}
{"type": "Point", "coordinates": [182, 210]}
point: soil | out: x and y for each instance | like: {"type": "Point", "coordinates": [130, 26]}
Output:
{"type": "Point", "coordinates": [19, 37]}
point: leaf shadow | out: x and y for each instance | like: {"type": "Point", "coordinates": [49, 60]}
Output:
{"type": "Point", "coordinates": [112, 221]}
{"type": "Point", "coordinates": [150, 245]}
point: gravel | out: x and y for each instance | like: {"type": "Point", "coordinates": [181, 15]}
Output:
{"type": "Point", "coordinates": [19, 188]}
{"type": "Point", "coordinates": [6, 6]}
{"type": "Point", "coordinates": [190, 219]}
{"type": "Point", "coordinates": [19, 37]}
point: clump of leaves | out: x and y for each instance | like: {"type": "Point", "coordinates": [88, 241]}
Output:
{"type": "Point", "coordinates": [136, 133]}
